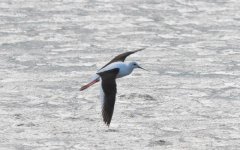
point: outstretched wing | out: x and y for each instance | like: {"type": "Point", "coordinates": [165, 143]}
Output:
{"type": "Point", "coordinates": [120, 57]}
{"type": "Point", "coordinates": [123, 56]}
{"type": "Point", "coordinates": [109, 88]}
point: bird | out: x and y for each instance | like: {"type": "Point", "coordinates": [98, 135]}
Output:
{"type": "Point", "coordinates": [118, 58]}
{"type": "Point", "coordinates": [108, 74]}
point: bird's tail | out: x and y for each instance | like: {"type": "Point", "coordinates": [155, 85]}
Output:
{"type": "Point", "coordinates": [90, 83]}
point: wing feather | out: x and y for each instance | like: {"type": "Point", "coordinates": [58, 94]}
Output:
{"type": "Point", "coordinates": [109, 88]}
{"type": "Point", "coordinates": [123, 56]}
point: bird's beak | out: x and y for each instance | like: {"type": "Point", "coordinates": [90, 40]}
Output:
{"type": "Point", "coordinates": [142, 68]}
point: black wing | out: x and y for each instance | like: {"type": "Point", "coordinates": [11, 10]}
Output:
{"type": "Point", "coordinates": [109, 87]}
{"type": "Point", "coordinates": [122, 57]}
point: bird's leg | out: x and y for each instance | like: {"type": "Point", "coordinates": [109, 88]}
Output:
{"type": "Point", "coordinates": [89, 84]}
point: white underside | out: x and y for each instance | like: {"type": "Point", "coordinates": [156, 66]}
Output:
{"type": "Point", "coordinates": [124, 71]}
{"type": "Point", "coordinates": [101, 95]}
{"type": "Point", "coordinates": [124, 68]}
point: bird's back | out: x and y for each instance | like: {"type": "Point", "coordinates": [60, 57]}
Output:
{"type": "Point", "coordinates": [123, 68]}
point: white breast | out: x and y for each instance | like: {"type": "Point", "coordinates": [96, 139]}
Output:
{"type": "Point", "coordinates": [124, 68]}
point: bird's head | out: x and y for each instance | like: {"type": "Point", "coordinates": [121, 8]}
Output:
{"type": "Point", "coordinates": [134, 65]}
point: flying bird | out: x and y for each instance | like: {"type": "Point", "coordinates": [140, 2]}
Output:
{"type": "Point", "coordinates": [118, 58]}
{"type": "Point", "coordinates": [116, 68]}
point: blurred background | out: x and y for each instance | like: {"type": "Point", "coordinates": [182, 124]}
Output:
{"type": "Point", "coordinates": [188, 100]}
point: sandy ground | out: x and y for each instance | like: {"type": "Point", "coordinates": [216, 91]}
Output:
{"type": "Point", "coordinates": [189, 100]}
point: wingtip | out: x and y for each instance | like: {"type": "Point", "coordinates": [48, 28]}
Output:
{"type": "Point", "coordinates": [107, 123]}
{"type": "Point", "coordinates": [140, 49]}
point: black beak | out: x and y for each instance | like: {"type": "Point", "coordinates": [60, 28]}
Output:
{"type": "Point", "coordinates": [142, 68]}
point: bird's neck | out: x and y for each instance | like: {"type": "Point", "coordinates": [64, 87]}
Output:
{"type": "Point", "coordinates": [124, 71]}
{"type": "Point", "coordinates": [129, 69]}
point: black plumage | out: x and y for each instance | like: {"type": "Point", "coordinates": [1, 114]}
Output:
{"type": "Point", "coordinates": [109, 87]}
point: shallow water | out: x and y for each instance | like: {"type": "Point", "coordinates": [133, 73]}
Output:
{"type": "Point", "coordinates": [188, 100]}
